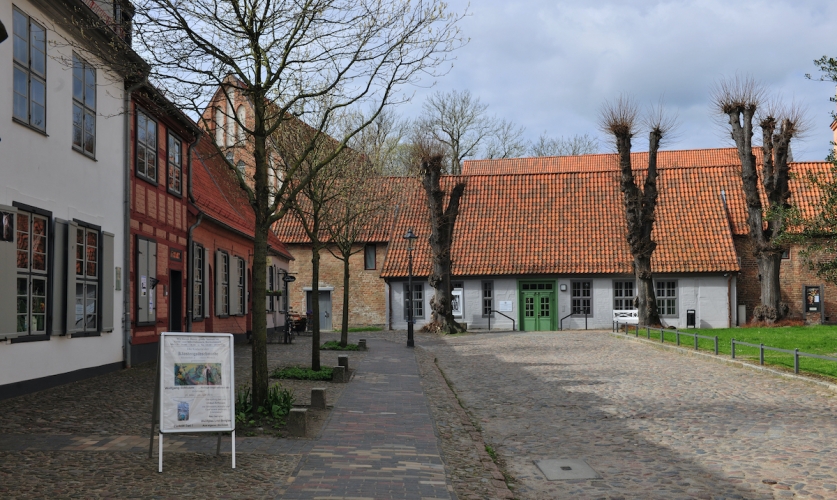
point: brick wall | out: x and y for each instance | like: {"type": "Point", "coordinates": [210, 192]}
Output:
{"type": "Point", "coordinates": [794, 275]}
{"type": "Point", "coordinates": [367, 291]}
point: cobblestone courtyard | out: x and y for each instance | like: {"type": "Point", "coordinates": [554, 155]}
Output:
{"type": "Point", "coordinates": [653, 423]}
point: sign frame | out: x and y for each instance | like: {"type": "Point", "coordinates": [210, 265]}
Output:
{"type": "Point", "coordinates": [166, 373]}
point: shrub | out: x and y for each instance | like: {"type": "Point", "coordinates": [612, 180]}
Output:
{"type": "Point", "coordinates": [299, 373]}
{"type": "Point", "coordinates": [333, 345]}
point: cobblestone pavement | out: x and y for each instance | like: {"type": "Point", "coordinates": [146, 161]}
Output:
{"type": "Point", "coordinates": [653, 423]}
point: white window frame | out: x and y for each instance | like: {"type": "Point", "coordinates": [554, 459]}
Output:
{"type": "Point", "coordinates": [487, 298]}
{"type": "Point", "coordinates": [370, 251]}
{"type": "Point", "coordinates": [174, 164]}
{"type": "Point", "coordinates": [667, 301]}
{"type": "Point", "coordinates": [198, 282]}
{"type": "Point", "coordinates": [417, 303]}
{"type": "Point", "coordinates": [148, 148]}
{"type": "Point", "coordinates": [88, 270]}
{"type": "Point", "coordinates": [84, 120]}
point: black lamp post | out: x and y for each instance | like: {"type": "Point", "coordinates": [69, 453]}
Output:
{"type": "Point", "coordinates": [410, 237]}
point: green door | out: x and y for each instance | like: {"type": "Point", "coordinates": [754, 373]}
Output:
{"type": "Point", "coordinates": [537, 299]}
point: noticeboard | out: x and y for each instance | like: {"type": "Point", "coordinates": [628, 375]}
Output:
{"type": "Point", "coordinates": [813, 301]}
{"type": "Point", "coordinates": [196, 382]}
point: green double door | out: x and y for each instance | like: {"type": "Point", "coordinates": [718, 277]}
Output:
{"type": "Point", "coordinates": [537, 301]}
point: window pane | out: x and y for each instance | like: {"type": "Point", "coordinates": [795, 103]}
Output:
{"type": "Point", "coordinates": [90, 87]}
{"type": "Point", "coordinates": [78, 79]}
{"type": "Point", "coordinates": [21, 32]}
{"type": "Point", "coordinates": [21, 106]}
{"type": "Point", "coordinates": [22, 305]}
{"type": "Point", "coordinates": [23, 241]}
{"type": "Point", "coordinates": [151, 164]}
{"type": "Point", "coordinates": [38, 52]}
{"type": "Point", "coordinates": [90, 311]}
{"type": "Point", "coordinates": [38, 91]}
{"type": "Point", "coordinates": [79, 305]}
{"type": "Point", "coordinates": [141, 124]}
{"type": "Point", "coordinates": [141, 159]}
{"type": "Point", "coordinates": [38, 116]}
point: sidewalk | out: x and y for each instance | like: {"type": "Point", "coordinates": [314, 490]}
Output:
{"type": "Point", "coordinates": [379, 442]}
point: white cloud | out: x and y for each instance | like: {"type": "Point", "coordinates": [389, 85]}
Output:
{"type": "Point", "coordinates": [549, 65]}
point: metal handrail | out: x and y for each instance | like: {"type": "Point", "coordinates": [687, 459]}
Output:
{"type": "Point", "coordinates": [677, 334]}
{"type": "Point", "coordinates": [795, 352]}
{"type": "Point", "coordinates": [561, 324]}
{"type": "Point", "coordinates": [501, 314]}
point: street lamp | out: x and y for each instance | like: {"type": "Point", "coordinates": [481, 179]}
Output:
{"type": "Point", "coordinates": [410, 237]}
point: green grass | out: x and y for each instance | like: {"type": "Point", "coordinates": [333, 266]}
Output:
{"type": "Point", "coordinates": [363, 329]}
{"type": "Point", "coordinates": [811, 339]}
{"type": "Point", "coordinates": [333, 345]}
{"type": "Point", "coordinates": [299, 373]}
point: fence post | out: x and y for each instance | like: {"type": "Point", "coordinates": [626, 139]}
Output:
{"type": "Point", "coordinates": [796, 361]}
{"type": "Point", "coordinates": [733, 349]}
{"type": "Point", "coordinates": [662, 339]}
{"type": "Point", "coordinates": [696, 344]}
{"type": "Point", "coordinates": [637, 330]}
{"type": "Point", "coordinates": [716, 345]}
{"type": "Point", "coordinates": [761, 354]}
{"type": "Point", "coordinates": [677, 337]}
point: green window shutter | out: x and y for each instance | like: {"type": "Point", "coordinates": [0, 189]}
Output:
{"type": "Point", "coordinates": [70, 299]}
{"type": "Point", "coordinates": [235, 304]}
{"type": "Point", "coordinates": [107, 286]}
{"type": "Point", "coordinates": [219, 275]}
{"type": "Point", "coordinates": [8, 278]}
{"type": "Point", "coordinates": [246, 288]}
{"type": "Point", "coordinates": [206, 283]}
{"type": "Point", "coordinates": [152, 273]}
{"type": "Point", "coordinates": [58, 304]}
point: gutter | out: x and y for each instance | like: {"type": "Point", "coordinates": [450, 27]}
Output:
{"type": "Point", "coordinates": [190, 266]}
{"type": "Point", "coordinates": [126, 243]}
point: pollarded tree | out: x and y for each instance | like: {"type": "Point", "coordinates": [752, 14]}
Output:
{"type": "Point", "coordinates": [294, 62]}
{"type": "Point", "coordinates": [747, 108]}
{"type": "Point", "coordinates": [620, 120]}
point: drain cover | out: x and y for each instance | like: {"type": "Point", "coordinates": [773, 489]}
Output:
{"type": "Point", "coordinates": [557, 470]}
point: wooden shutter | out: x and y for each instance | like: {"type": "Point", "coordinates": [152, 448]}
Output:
{"type": "Point", "coordinates": [246, 287]}
{"type": "Point", "coordinates": [219, 276]}
{"type": "Point", "coordinates": [152, 273]}
{"type": "Point", "coordinates": [8, 279]}
{"type": "Point", "coordinates": [106, 284]}
{"type": "Point", "coordinates": [143, 283]}
{"type": "Point", "coordinates": [206, 283]}
{"type": "Point", "coordinates": [235, 305]}
{"type": "Point", "coordinates": [70, 274]}
{"type": "Point", "coordinates": [58, 304]}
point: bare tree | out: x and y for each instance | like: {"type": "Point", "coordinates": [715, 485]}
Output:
{"type": "Point", "coordinates": [506, 141]}
{"type": "Point", "coordinates": [382, 142]}
{"type": "Point", "coordinates": [747, 107]}
{"type": "Point", "coordinates": [293, 62]}
{"type": "Point", "coordinates": [619, 118]}
{"type": "Point", "coordinates": [564, 146]}
{"type": "Point", "coordinates": [457, 120]}
{"type": "Point", "coordinates": [442, 221]}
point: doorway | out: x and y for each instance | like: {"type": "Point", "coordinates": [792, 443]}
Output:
{"type": "Point", "coordinates": [538, 306]}
{"type": "Point", "coordinates": [325, 308]}
{"type": "Point", "coordinates": [175, 301]}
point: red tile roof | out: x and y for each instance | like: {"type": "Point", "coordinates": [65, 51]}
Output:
{"type": "Point", "coordinates": [218, 194]}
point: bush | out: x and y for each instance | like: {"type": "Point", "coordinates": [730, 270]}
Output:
{"type": "Point", "coordinates": [277, 405]}
{"type": "Point", "coordinates": [333, 345]}
{"type": "Point", "coordinates": [299, 373]}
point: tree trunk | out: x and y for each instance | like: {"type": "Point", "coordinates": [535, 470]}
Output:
{"type": "Point", "coordinates": [344, 330]}
{"type": "Point", "coordinates": [769, 263]}
{"type": "Point", "coordinates": [315, 307]}
{"type": "Point", "coordinates": [259, 352]}
{"type": "Point", "coordinates": [442, 220]}
{"type": "Point", "coordinates": [645, 295]}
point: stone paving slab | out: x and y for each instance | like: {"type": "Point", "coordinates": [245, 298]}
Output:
{"type": "Point", "coordinates": [652, 423]}
{"type": "Point", "coordinates": [380, 441]}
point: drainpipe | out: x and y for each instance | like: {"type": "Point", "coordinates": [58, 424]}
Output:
{"type": "Point", "coordinates": [126, 243]}
{"type": "Point", "coordinates": [190, 266]}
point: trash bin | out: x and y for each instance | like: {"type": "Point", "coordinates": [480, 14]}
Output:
{"type": "Point", "coordinates": [690, 318]}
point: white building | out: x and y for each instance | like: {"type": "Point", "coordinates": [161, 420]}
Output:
{"type": "Point", "coordinates": [62, 197]}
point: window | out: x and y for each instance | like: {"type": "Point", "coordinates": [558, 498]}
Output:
{"type": "Point", "coordinates": [146, 147]}
{"type": "Point", "coordinates": [786, 254]}
{"type": "Point", "coordinates": [32, 257]}
{"type": "Point", "coordinates": [666, 298]}
{"type": "Point", "coordinates": [487, 298]}
{"type": "Point", "coordinates": [146, 281]}
{"type": "Point", "coordinates": [219, 126]}
{"type": "Point", "coordinates": [175, 165]}
{"type": "Point", "coordinates": [369, 256]}
{"type": "Point", "coordinates": [242, 291]}
{"type": "Point", "coordinates": [581, 293]}
{"type": "Point", "coordinates": [199, 277]}
{"type": "Point", "coordinates": [242, 168]}
{"type": "Point", "coordinates": [29, 71]}
{"type": "Point", "coordinates": [418, 301]}
{"type": "Point", "coordinates": [623, 295]}
{"type": "Point", "coordinates": [84, 106]}
{"type": "Point", "coordinates": [241, 115]}
{"type": "Point", "coordinates": [271, 286]}
{"type": "Point", "coordinates": [87, 279]}
{"type": "Point", "coordinates": [222, 283]}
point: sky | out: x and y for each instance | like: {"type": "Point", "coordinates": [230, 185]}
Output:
{"type": "Point", "coordinates": [549, 65]}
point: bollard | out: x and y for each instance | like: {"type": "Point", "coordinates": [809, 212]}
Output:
{"type": "Point", "coordinates": [662, 337]}
{"type": "Point", "coordinates": [343, 360]}
{"type": "Point", "coordinates": [796, 361]}
{"type": "Point", "coordinates": [298, 422]}
{"type": "Point", "coordinates": [361, 344]}
{"type": "Point", "coordinates": [696, 347]}
{"type": "Point", "coordinates": [339, 375]}
{"type": "Point", "coordinates": [318, 398]}
{"type": "Point", "coordinates": [732, 349]}
{"type": "Point", "coordinates": [677, 336]}
{"type": "Point", "coordinates": [716, 345]}
{"type": "Point", "coordinates": [761, 354]}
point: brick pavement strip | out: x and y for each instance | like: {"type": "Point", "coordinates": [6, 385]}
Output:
{"type": "Point", "coordinates": [653, 423]}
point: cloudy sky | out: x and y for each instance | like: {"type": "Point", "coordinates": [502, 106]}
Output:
{"type": "Point", "coordinates": [548, 65]}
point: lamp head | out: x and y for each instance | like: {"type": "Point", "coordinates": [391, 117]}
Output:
{"type": "Point", "coordinates": [410, 237]}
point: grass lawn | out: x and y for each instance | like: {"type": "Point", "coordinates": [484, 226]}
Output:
{"type": "Point", "coordinates": [811, 339]}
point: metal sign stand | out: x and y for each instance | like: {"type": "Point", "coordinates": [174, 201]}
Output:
{"type": "Point", "coordinates": [155, 419]}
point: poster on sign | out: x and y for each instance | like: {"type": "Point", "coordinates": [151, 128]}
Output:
{"type": "Point", "coordinates": [196, 382]}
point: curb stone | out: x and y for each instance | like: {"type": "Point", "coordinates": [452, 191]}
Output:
{"type": "Point", "coordinates": [446, 408]}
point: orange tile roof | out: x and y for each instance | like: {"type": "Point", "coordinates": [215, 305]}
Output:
{"type": "Point", "coordinates": [218, 194]}
{"type": "Point", "coordinates": [570, 220]}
